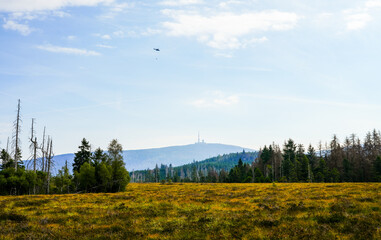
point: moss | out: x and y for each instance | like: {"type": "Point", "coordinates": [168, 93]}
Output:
{"type": "Point", "coordinates": [200, 211]}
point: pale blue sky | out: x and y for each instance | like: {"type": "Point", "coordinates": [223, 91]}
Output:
{"type": "Point", "coordinates": [241, 72]}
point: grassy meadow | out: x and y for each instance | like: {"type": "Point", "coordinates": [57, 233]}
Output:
{"type": "Point", "coordinates": [200, 211]}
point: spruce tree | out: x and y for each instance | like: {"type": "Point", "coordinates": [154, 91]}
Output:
{"type": "Point", "coordinates": [304, 169]}
{"type": "Point", "coordinates": [82, 156]}
{"type": "Point", "coordinates": [377, 169]}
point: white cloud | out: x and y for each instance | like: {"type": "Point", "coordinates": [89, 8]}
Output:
{"type": "Point", "coordinates": [228, 30]}
{"type": "Point", "coordinates": [106, 36]}
{"type": "Point", "coordinates": [118, 33]}
{"type": "Point", "coordinates": [42, 5]}
{"type": "Point", "coordinates": [357, 21]}
{"type": "Point", "coordinates": [39, 15]}
{"type": "Point", "coordinates": [359, 18]}
{"type": "Point", "coordinates": [21, 28]}
{"type": "Point", "coordinates": [104, 46]}
{"type": "Point", "coordinates": [116, 9]}
{"type": "Point", "coordinates": [71, 37]}
{"type": "Point", "coordinates": [373, 4]}
{"type": "Point", "coordinates": [217, 99]}
{"type": "Point", "coordinates": [174, 3]}
{"type": "Point", "coordinates": [66, 50]}
{"type": "Point", "coordinates": [228, 3]}
{"type": "Point", "coordinates": [150, 32]}
{"type": "Point", "coordinates": [120, 7]}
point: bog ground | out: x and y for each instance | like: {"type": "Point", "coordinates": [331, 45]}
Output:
{"type": "Point", "coordinates": [200, 211]}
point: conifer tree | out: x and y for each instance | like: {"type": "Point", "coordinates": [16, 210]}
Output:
{"type": "Point", "coordinates": [377, 169]}
{"type": "Point", "coordinates": [82, 156]}
{"type": "Point", "coordinates": [304, 171]}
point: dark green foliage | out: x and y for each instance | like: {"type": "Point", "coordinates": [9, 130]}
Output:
{"type": "Point", "coordinates": [82, 156]}
{"type": "Point", "coordinates": [21, 181]}
{"type": "Point", "coordinates": [62, 181]}
{"type": "Point", "coordinates": [288, 167]}
{"type": "Point", "coordinates": [6, 160]}
{"type": "Point", "coordinates": [104, 173]}
{"type": "Point", "coordinates": [87, 177]}
{"type": "Point", "coordinates": [214, 169]}
{"type": "Point", "coordinates": [258, 176]}
{"type": "Point", "coordinates": [304, 169]}
{"type": "Point", "coordinates": [377, 169]}
{"type": "Point", "coordinates": [103, 176]}
{"type": "Point", "coordinates": [347, 170]}
{"type": "Point", "coordinates": [289, 150]}
{"type": "Point", "coordinates": [322, 170]}
{"type": "Point", "coordinates": [98, 157]}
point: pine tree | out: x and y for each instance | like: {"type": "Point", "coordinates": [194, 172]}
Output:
{"type": "Point", "coordinates": [289, 150]}
{"type": "Point", "coordinates": [304, 171]}
{"type": "Point", "coordinates": [98, 157]}
{"type": "Point", "coordinates": [194, 174]}
{"type": "Point", "coordinates": [377, 168]}
{"type": "Point", "coordinates": [347, 171]}
{"type": "Point", "coordinates": [322, 171]}
{"type": "Point", "coordinates": [82, 156]}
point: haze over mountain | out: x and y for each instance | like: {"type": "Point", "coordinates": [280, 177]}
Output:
{"type": "Point", "coordinates": [175, 155]}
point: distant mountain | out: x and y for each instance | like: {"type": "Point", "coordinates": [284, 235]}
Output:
{"type": "Point", "coordinates": [176, 155]}
{"type": "Point", "coordinates": [225, 161]}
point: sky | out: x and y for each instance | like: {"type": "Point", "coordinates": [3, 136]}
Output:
{"type": "Point", "coordinates": [246, 73]}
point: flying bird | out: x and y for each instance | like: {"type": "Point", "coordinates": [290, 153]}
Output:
{"type": "Point", "coordinates": [156, 49]}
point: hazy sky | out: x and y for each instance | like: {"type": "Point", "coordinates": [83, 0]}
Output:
{"type": "Point", "coordinates": [241, 72]}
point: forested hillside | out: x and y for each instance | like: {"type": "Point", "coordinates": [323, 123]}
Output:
{"type": "Point", "coordinates": [195, 171]}
{"type": "Point", "coordinates": [352, 160]}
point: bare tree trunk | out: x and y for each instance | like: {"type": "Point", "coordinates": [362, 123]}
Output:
{"type": "Point", "coordinates": [45, 162]}
{"type": "Point", "coordinates": [47, 155]}
{"type": "Point", "coordinates": [35, 154]}
{"type": "Point", "coordinates": [43, 152]}
{"type": "Point", "coordinates": [16, 136]}
{"type": "Point", "coordinates": [33, 140]}
{"type": "Point", "coordinates": [7, 150]}
{"type": "Point", "coordinates": [50, 149]}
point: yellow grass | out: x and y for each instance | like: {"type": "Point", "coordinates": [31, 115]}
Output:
{"type": "Point", "coordinates": [200, 211]}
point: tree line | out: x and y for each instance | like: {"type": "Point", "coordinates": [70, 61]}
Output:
{"type": "Point", "coordinates": [351, 161]}
{"type": "Point", "coordinates": [197, 171]}
{"type": "Point", "coordinates": [92, 171]}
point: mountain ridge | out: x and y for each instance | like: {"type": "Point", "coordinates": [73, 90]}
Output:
{"type": "Point", "coordinates": [141, 159]}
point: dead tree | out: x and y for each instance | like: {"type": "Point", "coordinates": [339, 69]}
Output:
{"type": "Point", "coordinates": [16, 136]}
{"type": "Point", "coordinates": [7, 150]}
{"type": "Point", "coordinates": [33, 145]}
{"type": "Point", "coordinates": [49, 162]}
{"type": "Point", "coordinates": [43, 152]}
{"type": "Point", "coordinates": [47, 170]}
